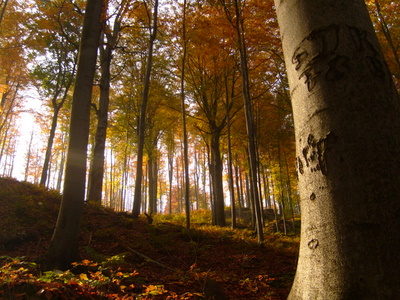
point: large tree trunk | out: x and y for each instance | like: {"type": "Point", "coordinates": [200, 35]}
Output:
{"type": "Point", "coordinates": [137, 198]}
{"type": "Point", "coordinates": [96, 174]}
{"type": "Point", "coordinates": [216, 168]}
{"type": "Point", "coordinates": [347, 123]}
{"type": "Point", "coordinates": [63, 247]}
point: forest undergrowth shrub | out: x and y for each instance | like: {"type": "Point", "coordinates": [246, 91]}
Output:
{"type": "Point", "coordinates": [197, 218]}
{"type": "Point", "coordinates": [20, 279]}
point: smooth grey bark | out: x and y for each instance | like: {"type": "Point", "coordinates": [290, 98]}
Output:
{"type": "Point", "coordinates": [347, 127]}
{"type": "Point", "coordinates": [63, 248]}
{"type": "Point", "coordinates": [183, 108]}
{"type": "Point", "coordinates": [137, 198]}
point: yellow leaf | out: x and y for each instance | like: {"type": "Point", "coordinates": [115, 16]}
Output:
{"type": "Point", "coordinates": [83, 276]}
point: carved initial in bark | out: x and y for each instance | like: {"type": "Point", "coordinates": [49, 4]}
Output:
{"type": "Point", "coordinates": [314, 154]}
{"type": "Point", "coordinates": [334, 52]}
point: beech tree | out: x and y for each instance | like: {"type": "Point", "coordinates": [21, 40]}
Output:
{"type": "Point", "coordinates": [183, 108]}
{"type": "Point", "coordinates": [109, 38]}
{"type": "Point", "coordinates": [347, 126]}
{"type": "Point", "coordinates": [56, 72]}
{"type": "Point", "coordinates": [142, 118]}
{"type": "Point", "coordinates": [63, 248]}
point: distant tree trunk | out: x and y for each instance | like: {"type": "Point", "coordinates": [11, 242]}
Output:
{"type": "Point", "coordinates": [63, 247]}
{"type": "Point", "coordinates": [56, 109]}
{"type": "Point", "coordinates": [229, 161]}
{"type": "Point", "coordinates": [170, 177]}
{"type": "Point", "coordinates": [196, 179]}
{"type": "Point", "coordinates": [275, 209]}
{"type": "Point", "coordinates": [142, 118]}
{"type": "Point", "coordinates": [47, 156]}
{"type": "Point", "coordinates": [61, 166]}
{"type": "Point", "coordinates": [185, 138]}
{"type": "Point", "coordinates": [282, 204]}
{"type": "Point", "coordinates": [346, 115]}
{"type": "Point", "coordinates": [7, 119]}
{"type": "Point", "coordinates": [251, 130]}
{"type": "Point", "coordinates": [216, 168]}
{"type": "Point", "coordinates": [204, 180]}
{"type": "Point", "coordinates": [386, 32]}
{"type": "Point", "coordinates": [152, 171]}
{"type": "Point", "coordinates": [28, 157]}
{"type": "Point", "coordinates": [239, 191]}
{"type": "Point", "coordinates": [267, 193]}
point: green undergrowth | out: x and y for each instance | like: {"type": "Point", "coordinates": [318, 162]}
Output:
{"type": "Point", "coordinates": [21, 279]}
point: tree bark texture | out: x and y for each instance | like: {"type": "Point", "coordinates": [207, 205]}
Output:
{"type": "Point", "coordinates": [183, 116]}
{"type": "Point", "coordinates": [96, 174]}
{"type": "Point", "coordinates": [152, 169]}
{"type": "Point", "coordinates": [216, 167]}
{"type": "Point", "coordinates": [63, 247]}
{"type": "Point", "coordinates": [347, 125]}
{"type": "Point", "coordinates": [137, 198]}
{"type": "Point", "coordinates": [250, 128]}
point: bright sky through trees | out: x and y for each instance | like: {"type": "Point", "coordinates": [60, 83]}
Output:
{"type": "Point", "coordinates": [213, 75]}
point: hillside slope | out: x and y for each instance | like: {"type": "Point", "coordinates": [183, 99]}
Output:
{"type": "Point", "coordinates": [198, 263]}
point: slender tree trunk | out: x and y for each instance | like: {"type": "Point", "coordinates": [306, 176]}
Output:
{"type": "Point", "coordinates": [275, 209]}
{"type": "Point", "coordinates": [386, 32]}
{"type": "Point", "coordinates": [282, 204]}
{"type": "Point", "coordinates": [96, 174]}
{"type": "Point", "coordinates": [267, 193]}
{"type": "Point", "coordinates": [63, 249]}
{"type": "Point", "coordinates": [196, 179]}
{"type": "Point", "coordinates": [142, 118]}
{"type": "Point", "coordinates": [45, 170]}
{"type": "Point", "coordinates": [28, 157]}
{"type": "Point", "coordinates": [56, 109]}
{"type": "Point", "coordinates": [229, 161]}
{"type": "Point", "coordinates": [238, 191]}
{"type": "Point", "coordinates": [347, 126]}
{"type": "Point", "coordinates": [3, 5]}
{"type": "Point", "coordinates": [185, 138]}
{"type": "Point", "coordinates": [251, 130]}
{"type": "Point", "coordinates": [170, 178]}
{"type": "Point", "coordinates": [61, 167]}
{"type": "Point", "coordinates": [152, 171]}
{"type": "Point", "coordinates": [204, 180]}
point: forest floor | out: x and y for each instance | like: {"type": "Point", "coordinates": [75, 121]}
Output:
{"type": "Point", "coordinates": [125, 258]}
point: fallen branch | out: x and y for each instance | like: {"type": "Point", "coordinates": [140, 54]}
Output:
{"type": "Point", "coordinates": [152, 260]}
